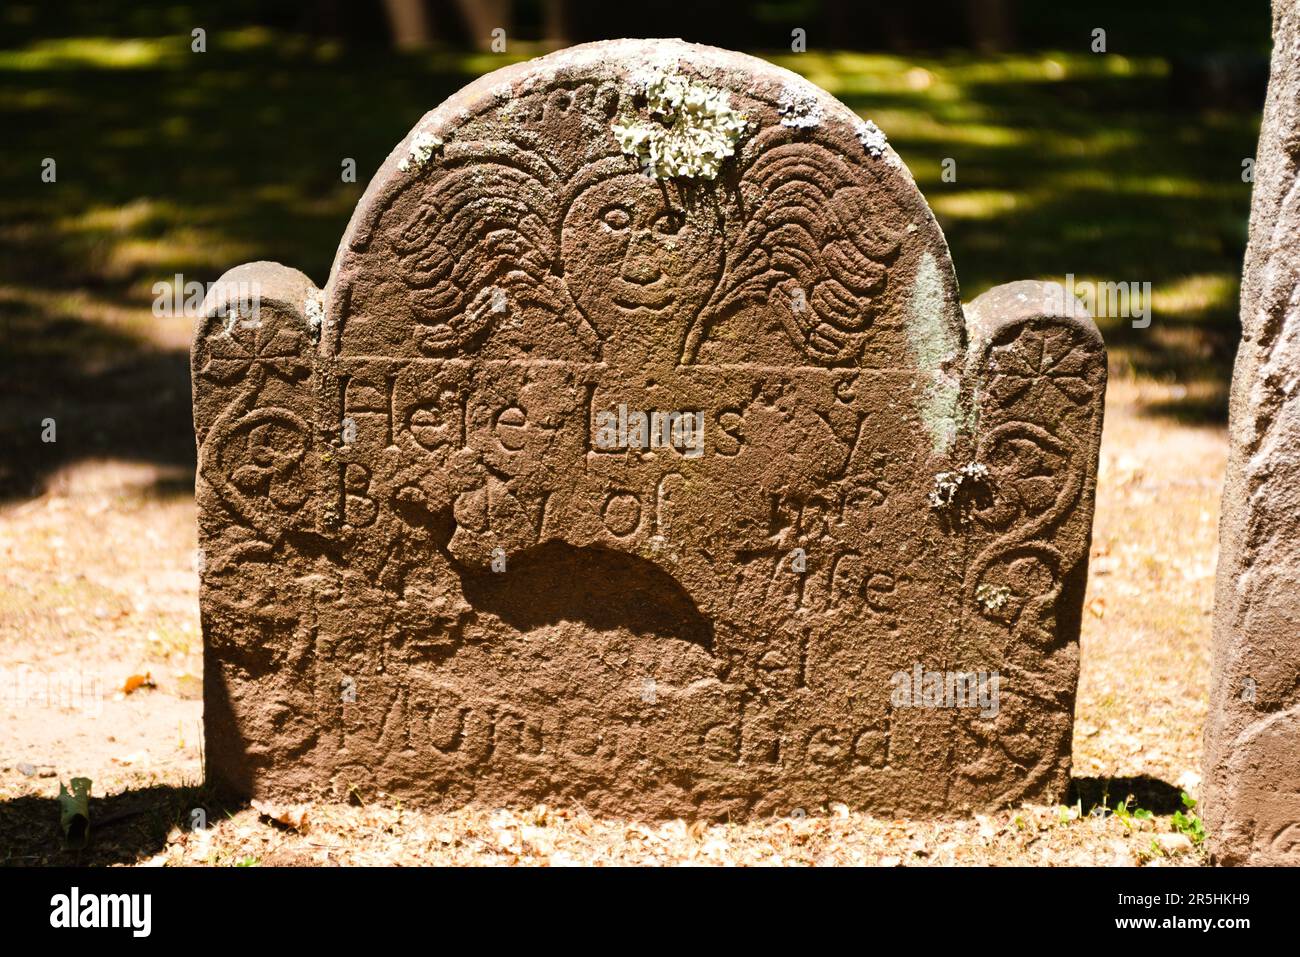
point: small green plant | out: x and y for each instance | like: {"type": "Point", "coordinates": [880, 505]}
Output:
{"type": "Point", "coordinates": [1064, 815]}
{"type": "Point", "coordinates": [74, 813]}
{"type": "Point", "coordinates": [1189, 824]}
{"type": "Point", "coordinates": [248, 862]}
{"type": "Point", "coordinates": [1128, 816]}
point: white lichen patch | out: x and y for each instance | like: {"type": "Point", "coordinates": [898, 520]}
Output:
{"type": "Point", "coordinates": [872, 138]}
{"type": "Point", "coordinates": [313, 308]}
{"type": "Point", "coordinates": [947, 485]}
{"type": "Point", "coordinates": [992, 598]}
{"type": "Point", "coordinates": [689, 129]}
{"type": "Point", "coordinates": [423, 146]}
{"type": "Point", "coordinates": [799, 109]}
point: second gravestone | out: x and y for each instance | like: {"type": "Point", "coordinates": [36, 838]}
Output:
{"type": "Point", "coordinates": [638, 452]}
{"type": "Point", "coordinates": [1252, 732]}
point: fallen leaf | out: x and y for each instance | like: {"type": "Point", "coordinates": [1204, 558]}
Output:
{"type": "Point", "coordinates": [136, 682]}
{"type": "Point", "coordinates": [292, 816]}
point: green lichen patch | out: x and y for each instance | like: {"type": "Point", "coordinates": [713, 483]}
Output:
{"type": "Point", "coordinates": [948, 486]}
{"type": "Point", "coordinates": [934, 346]}
{"type": "Point", "coordinates": [799, 109]}
{"type": "Point", "coordinates": [423, 146]}
{"type": "Point", "coordinates": [313, 309]}
{"type": "Point", "coordinates": [872, 138]}
{"type": "Point", "coordinates": [992, 598]}
{"type": "Point", "coordinates": [686, 130]}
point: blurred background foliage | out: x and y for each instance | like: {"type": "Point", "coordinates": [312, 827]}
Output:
{"type": "Point", "coordinates": [1125, 166]}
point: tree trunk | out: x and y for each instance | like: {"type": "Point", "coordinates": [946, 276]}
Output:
{"type": "Point", "coordinates": [409, 24]}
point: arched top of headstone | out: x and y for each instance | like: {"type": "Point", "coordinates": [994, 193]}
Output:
{"type": "Point", "coordinates": [689, 204]}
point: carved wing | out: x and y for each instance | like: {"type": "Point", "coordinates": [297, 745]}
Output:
{"type": "Point", "coordinates": [480, 246]}
{"type": "Point", "coordinates": [816, 245]}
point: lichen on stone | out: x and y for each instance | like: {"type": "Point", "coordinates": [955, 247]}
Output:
{"type": "Point", "coordinates": [688, 129]}
{"type": "Point", "coordinates": [872, 138]}
{"type": "Point", "coordinates": [992, 598]}
{"type": "Point", "coordinates": [799, 109]}
{"type": "Point", "coordinates": [423, 146]}
{"type": "Point", "coordinates": [314, 309]}
{"type": "Point", "coordinates": [935, 347]}
{"type": "Point", "coordinates": [948, 485]}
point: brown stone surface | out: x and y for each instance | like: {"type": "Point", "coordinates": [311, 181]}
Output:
{"type": "Point", "coordinates": [438, 565]}
{"type": "Point", "coordinates": [1252, 739]}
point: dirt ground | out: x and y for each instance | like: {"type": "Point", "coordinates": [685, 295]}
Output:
{"type": "Point", "coordinates": [98, 590]}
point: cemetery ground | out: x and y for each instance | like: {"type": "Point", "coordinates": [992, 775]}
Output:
{"type": "Point", "coordinates": [1065, 163]}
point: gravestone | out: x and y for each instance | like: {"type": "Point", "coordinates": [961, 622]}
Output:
{"type": "Point", "coordinates": [1252, 739]}
{"type": "Point", "coordinates": [637, 452]}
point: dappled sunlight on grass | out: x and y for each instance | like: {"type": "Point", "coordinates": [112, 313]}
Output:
{"type": "Point", "coordinates": [977, 204]}
{"type": "Point", "coordinates": [1193, 295]}
{"type": "Point", "coordinates": [94, 53]}
{"type": "Point", "coordinates": [174, 52]}
{"type": "Point", "coordinates": [913, 126]}
{"type": "Point", "coordinates": [945, 79]}
{"type": "Point", "coordinates": [1135, 184]}
{"type": "Point", "coordinates": [144, 239]}
{"type": "Point", "coordinates": [180, 249]}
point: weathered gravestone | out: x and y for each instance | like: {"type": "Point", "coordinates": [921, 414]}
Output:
{"type": "Point", "coordinates": [637, 452]}
{"type": "Point", "coordinates": [1252, 761]}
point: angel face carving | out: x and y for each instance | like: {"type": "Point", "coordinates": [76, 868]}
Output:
{"type": "Point", "coordinates": [503, 235]}
{"type": "Point", "coordinates": [640, 262]}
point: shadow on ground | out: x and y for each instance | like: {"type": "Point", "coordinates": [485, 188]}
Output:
{"type": "Point", "coordinates": [1156, 796]}
{"type": "Point", "coordinates": [125, 828]}
{"type": "Point", "coordinates": [133, 826]}
{"type": "Point", "coordinates": [72, 389]}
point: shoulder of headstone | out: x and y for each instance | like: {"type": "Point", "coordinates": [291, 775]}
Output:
{"type": "Point", "coordinates": [1014, 304]}
{"type": "Point", "coordinates": [255, 286]}
{"type": "Point", "coordinates": [272, 283]}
